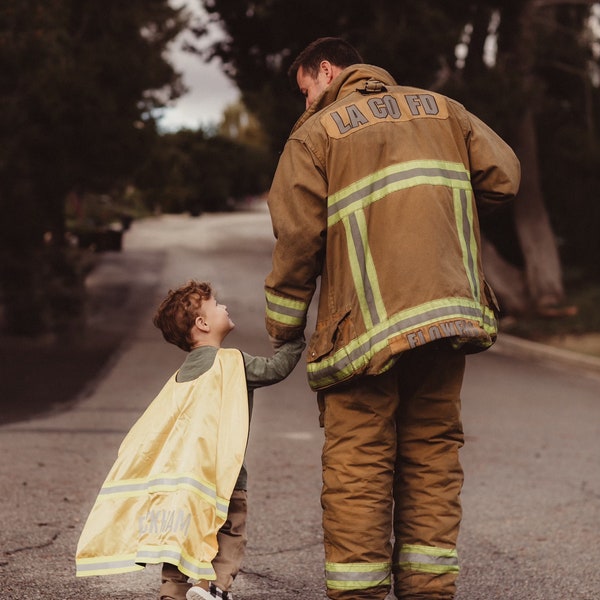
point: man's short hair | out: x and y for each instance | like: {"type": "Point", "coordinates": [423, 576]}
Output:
{"type": "Point", "coordinates": [177, 313]}
{"type": "Point", "coordinates": [336, 50]}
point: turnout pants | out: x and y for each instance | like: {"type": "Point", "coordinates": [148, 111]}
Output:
{"type": "Point", "coordinates": [231, 539]}
{"type": "Point", "coordinates": [392, 479]}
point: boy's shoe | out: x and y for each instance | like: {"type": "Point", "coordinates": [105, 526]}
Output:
{"type": "Point", "coordinates": [198, 593]}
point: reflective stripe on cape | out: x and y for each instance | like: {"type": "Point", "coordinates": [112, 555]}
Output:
{"type": "Point", "coordinates": [168, 492]}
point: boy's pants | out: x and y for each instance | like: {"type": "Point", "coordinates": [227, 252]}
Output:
{"type": "Point", "coordinates": [231, 539]}
{"type": "Point", "coordinates": [390, 465]}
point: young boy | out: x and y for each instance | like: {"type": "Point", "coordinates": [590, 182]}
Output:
{"type": "Point", "coordinates": [177, 492]}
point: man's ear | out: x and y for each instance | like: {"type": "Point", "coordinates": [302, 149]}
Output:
{"type": "Point", "coordinates": [327, 69]}
{"type": "Point", "coordinates": [201, 324]}
{"type": "Point", "coordinates": [330, 70]}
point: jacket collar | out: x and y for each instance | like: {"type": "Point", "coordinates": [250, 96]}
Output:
{"type": "Point", "coordinates": [351, 79]}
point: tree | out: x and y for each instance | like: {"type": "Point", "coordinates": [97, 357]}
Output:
{"type": "Point", "coordinates": [80, 85]}
{"type": "Point", "coordinates": [263, 37]}
{"type": "Point", "coordinates": [538, 41]}
{"type": "Point", "coordinates": [197, 171]}
{"type": "Point", "coordinates": [417, 43]}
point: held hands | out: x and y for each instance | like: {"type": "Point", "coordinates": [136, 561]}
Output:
{"type": "Point", "coordinates": [276, 343]}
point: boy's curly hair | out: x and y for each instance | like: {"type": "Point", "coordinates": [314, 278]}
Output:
{"type": "Point", "coordinates": [177, 313]}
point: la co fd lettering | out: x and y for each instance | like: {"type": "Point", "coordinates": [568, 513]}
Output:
{"type": "Point", "coordinates": [419, 105]}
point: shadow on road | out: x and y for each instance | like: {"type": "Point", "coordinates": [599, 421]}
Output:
{"type": "Point", "coordinates": [41, 376]}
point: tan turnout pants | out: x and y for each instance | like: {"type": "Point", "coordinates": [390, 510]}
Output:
{"type": "Point", "coordinates": [231, 539]}
{"type": "Point", "coordinates": [392, 479]}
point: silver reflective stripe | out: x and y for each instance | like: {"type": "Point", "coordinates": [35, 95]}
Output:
{"type": "Point", "coordinates": [363, 270]}
{"type": "Point", "coordinates": [145, 485]}
{"type": "Point", "coordinates": [137, 487]}
{"type": "Point", "coordinates": [464, 216]}
{"type": "Point", "coordinates": [393, 178]}
{"type": "Point", "coordinates": [161, 554]}
{"type": "Point", "coordinates": [134, 562]}
{"type": "Point", "coordinates": [105, 566]}
{"type": "Point", "coordinates": [428, 559]}
{"type": "Point", "coordinates": [357, 576]}
{"type": "Point", "coordinates": [359, 351]}
{"type": "Point", "coordinates": [285, 310]}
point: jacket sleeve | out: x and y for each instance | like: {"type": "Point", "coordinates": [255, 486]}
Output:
{"type": "Point", "coordinates": [495, 169]}
{"type": "Point", "coordinates": [297, 203]}
{"type": "Point", "coordinates": [262, 371]}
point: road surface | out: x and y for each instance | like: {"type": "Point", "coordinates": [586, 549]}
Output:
{"type": "Point", "coordinates": [532, 457]}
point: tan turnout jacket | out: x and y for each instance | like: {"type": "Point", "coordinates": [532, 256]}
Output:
{"type": "Point", "coordinates": [377, 192]}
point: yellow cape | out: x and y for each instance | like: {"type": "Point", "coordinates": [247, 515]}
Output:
{"type": "Point", "coordinates": [168, 493]}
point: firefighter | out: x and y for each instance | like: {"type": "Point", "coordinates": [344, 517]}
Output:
{"type": "Point", "coordinates": [377, 192]}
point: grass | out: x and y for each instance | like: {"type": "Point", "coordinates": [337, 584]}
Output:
{"type": "Point", "coordinates": [580, 332]}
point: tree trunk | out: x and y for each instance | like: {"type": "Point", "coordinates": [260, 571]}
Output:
{"type": "Point", "coordinates": [543, 271]}
{"type": "Point", "coordinates": [507, 281]}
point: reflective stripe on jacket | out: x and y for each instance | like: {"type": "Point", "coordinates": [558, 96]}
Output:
{"type": "Point", "coordinates": [377, 191]}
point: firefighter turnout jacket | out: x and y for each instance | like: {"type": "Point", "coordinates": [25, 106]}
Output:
{"type": "Point", "coordinates": [377, 192]}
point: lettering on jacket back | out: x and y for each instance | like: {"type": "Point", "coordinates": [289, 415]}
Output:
{"type": "Point", "coordinates": [370, 110]}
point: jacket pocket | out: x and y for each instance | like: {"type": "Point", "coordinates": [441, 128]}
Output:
{"type": "Point", "coordinates": [330, 335]}
{"type": "Point", "coordinates": [491, 299]}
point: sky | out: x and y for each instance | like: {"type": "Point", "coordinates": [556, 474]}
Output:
{"type": "Point", "coordinates": [210, 91]}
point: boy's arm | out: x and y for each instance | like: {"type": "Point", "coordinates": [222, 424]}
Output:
{"type": "Point", "coordinates": [262, 370]}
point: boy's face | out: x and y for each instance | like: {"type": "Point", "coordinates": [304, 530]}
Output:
{"type": "Point", "coordinates": [216, 316]}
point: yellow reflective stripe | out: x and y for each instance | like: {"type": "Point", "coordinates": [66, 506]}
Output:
{"type": "Point", "coordinates": [356, 354]}
{"type": "Point", "coordinates": [174, 554]}
{"type": "Point", "coordinates": [428, 559]}
{"type": "Point", "coordinates": [129, 488]}
{"type": "Point", "coordinates": [157, 482]}
{"type": "Point", "coordinates": [347, 205]}
{"type": "Point", "coordinates": [463, 211]}
{"type": "Point", "coordinates": [357, 576]}
{"type": "Point", "coordinates": [122, 563]}
{"type": "Point", "coordinates": [286, 311]}
{"type": "Point", "coordinates": [363, 269]}
{"type": "Point", "coordinates": [126, 563]}
{"type": "Point", "coordinates": [396, 177]}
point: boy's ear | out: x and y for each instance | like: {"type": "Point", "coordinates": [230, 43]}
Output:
{"type": "Point", "coordinates": [201, 324]}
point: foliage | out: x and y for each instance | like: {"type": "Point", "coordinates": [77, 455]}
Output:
{"type": "Point", "coordinates": [584, 295]}
{"type": "Point", "coordinates": [197, 172]}
{"type": "Point", "coordinates": [557, 83]}
{"type": "Point", "coordinates": [263, 37]}
{"type": "Point", "coordinates": [544, 53]}
{"type": "Point", "coordinates": [80, 83]}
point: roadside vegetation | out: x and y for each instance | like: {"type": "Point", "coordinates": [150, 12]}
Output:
{"type": "Point", "coordinates": [82, 154]}
{"type": "Point", "coordinates": [578, 332]}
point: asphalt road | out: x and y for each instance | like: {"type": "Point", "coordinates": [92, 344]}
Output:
{"type": "Point", "coordinates": [532, 457]}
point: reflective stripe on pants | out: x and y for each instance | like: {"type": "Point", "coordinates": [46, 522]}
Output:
{"type": "Point", "coordinates": [427, 559]}
{"type": "Point", "coordinates": [357, 576]}
{"type": "Point", "coordinates": [391, 457]}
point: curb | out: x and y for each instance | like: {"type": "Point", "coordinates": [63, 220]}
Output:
{"type": "Point", "coordinates": [521, 348]}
